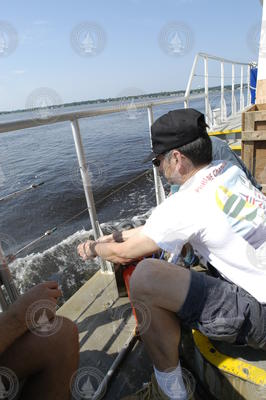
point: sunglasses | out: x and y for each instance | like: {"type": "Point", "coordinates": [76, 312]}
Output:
{"type": "Point", "coordinates": [156, 162]}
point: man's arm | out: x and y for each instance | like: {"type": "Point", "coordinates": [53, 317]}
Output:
{"type": "Point", "coordinates": [119, 236]}
{"type": "Point", "coordinates": [125, 235]}
{"type": "Point", "coordinates": [136, 246]}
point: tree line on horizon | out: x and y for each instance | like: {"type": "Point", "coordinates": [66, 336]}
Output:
{"type": "Point", "coordinates": [124, 98]}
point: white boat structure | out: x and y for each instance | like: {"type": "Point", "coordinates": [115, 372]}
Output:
{"type": "Point", "coordinates": [100, 309]}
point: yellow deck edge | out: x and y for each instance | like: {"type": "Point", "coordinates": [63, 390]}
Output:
{"type": "Point", "coordinates": [233, 366]}
{"type": "Point", "coordinates": [225, 132]}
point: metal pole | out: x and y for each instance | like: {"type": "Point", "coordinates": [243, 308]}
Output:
{"type": "Point", "coordinates": [87, 185]}
{"type": "Point", "coordinates": [208, 117]}
{"type": "Point", "coordinates": [191, 76]}
{"type": "Point", "coordinates": [85, 177]}
{"type": "Point", "coordinates": [108, 266]}
{"type": "Point", "coordinates": [248, 87]}
{"type": "Point", "coordinates": [3, 301]}
{"type": "Point", "coordinates": [233, 110]}
{"type": "Point", "coordinates": [241, 89]}
{"type": "Point", "coordinates": [121, 356]}
{"type": "Point", "coordinates": [222, 91]}
{"type": "Point", "coordinates": [7, 278]}
{"type": "Point", "coordinates": [159, 190]}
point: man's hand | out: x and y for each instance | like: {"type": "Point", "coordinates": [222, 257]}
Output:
{"type": "Point", "coordinates": [134, 247]}
{"type": "Point", "coordinates": [85, 250]}
{"type": "Point", "coordinates": [47, 291]}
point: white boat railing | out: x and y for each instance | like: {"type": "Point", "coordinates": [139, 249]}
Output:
{"type": "Point", "coordinates": [219, 115]}
{"type": "Point", "coordinates": [73, 118]}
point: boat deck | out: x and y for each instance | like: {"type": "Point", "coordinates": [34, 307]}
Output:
{"type": "Point", "coordinates": [105, 323]}
{"type": "Point", "coordinates": [233, 122]}
{"type": "Point", "coordinates": [232, 131]}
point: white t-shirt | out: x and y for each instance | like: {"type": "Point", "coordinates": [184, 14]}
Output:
{"type": "Point", "coordinates": [224, 218]}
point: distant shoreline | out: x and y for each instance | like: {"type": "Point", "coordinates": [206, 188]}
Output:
{"type": "Point", "coordinates": [178, 93]}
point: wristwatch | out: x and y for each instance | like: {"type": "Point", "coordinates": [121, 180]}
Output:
{"type": "Point", "coordinates": [118, 236]}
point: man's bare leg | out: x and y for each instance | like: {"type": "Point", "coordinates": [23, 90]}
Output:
{"type": "Point", "coordinates": [46, 362]}
{"type": "Point", "coordinates": [163, 288]}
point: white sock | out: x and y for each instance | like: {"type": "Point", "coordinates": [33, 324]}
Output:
{"type": "Point", "coordinates": [171, 383]}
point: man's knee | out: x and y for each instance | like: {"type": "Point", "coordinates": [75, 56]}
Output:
{"type": "Point", "coordinates": [68, 332]}
{"type": "Point", "coordinates": [152, 277]}
{"type": "Point", "coordinates": [63, 345]}
{"type": "Point", "coordinates": [58, 348]}
{"type": "Point", "coordinates": [63, 340]}
{"type": "Point", "coordinates": [141, 279]}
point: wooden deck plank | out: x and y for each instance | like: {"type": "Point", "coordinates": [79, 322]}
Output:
{"type": "Point", "coordinates": [105, 323]}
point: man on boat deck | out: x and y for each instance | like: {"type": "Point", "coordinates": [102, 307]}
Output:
{"type": "Point", "coordinates": [223, 216]}
{"type": "Point", "coordinates": [220, 151]}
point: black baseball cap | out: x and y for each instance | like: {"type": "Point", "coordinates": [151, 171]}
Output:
{"type": "Point", "coordinates": [175, 129]}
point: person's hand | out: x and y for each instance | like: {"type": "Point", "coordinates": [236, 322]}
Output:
{"type": "Point", "coordinates": [85, 250]}
{"type": "Point", "coordinates": [46, 291]}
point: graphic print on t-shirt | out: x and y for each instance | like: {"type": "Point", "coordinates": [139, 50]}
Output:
{"type": "Point", "coordinates": [236, 206]}
{"type": "Point", "coordinates": [243, 204]}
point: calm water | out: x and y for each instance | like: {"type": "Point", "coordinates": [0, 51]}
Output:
{"type": "Point", "coordinates": [115, 146]}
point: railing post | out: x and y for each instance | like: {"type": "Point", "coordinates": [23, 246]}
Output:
{"type": "Point", "coordinates": [233, 104]}
{"type": "Point", "coordinates": [207, 108]}
{"type": "Point", "coordinates": [159, 190]}
{"type": "Point", "coordinates": [223, 105]}
{"type": "Point", "coordinates": [3, 302]}
{"type": "Point", "coordinates": [242, 103]}
{"type": "Point", "coordinates": [191, 76]}
{"type": "Point", "coordinates": [87, 187]}
{"type": "Point", "coordinates": [248, 86]}
{"type": "Point", "coordinates": [222, 93]}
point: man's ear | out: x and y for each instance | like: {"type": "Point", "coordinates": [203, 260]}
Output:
{"type": "Point", "coordinates": [181, 162]}
{"type": "Point", "coordinates": [177, 156]}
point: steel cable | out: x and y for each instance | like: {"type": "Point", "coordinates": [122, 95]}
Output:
{"type": "Point", "coordinates": [55, 228]}
{"type": "Point", "coordinates": [18, 192]}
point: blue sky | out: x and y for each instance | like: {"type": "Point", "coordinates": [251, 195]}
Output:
{"type": "Point", "coordinates": [131, 58]}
